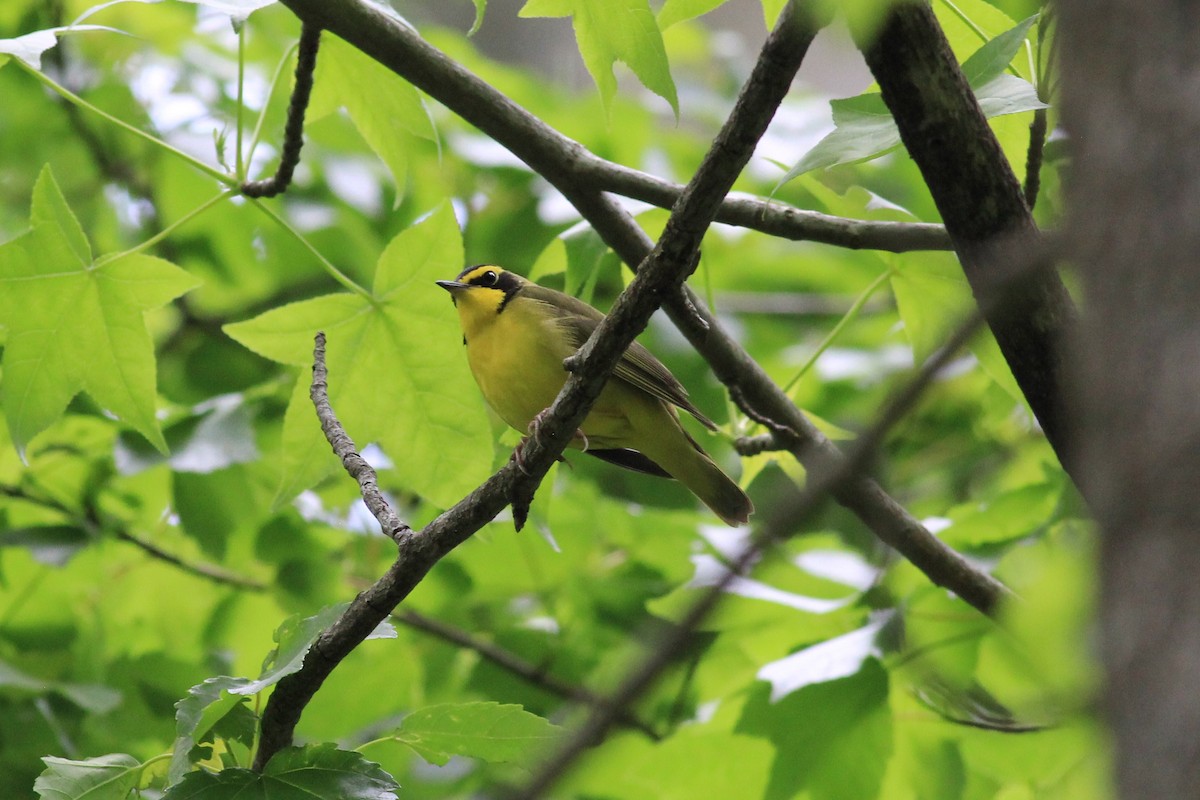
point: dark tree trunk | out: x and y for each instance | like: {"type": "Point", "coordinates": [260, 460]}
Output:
{"type": "Point", "coordinates": [980, 200]}
{"type": "Point", "coordinates": [1131, 88]}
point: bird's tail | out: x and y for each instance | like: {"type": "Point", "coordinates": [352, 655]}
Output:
{"type": "Point", "coordinates": [687, 462]}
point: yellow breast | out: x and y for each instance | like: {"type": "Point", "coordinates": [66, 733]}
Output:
{"type": "Point", "coordinates": [517, 358]}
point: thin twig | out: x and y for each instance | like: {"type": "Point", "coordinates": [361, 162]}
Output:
{"type": "Point", "coordinates": [201, 570]}
{"type": "Point", "coordinates": [90, 522]}
{"type": "Point", "coordinates": [343, 448]}
{"type": "Point", "coordinates": [293, 131]}
{"type": "Point", "coordinates": [513, 663]}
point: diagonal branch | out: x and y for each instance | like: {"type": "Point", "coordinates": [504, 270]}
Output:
{"type": "Point", "coordinates": [661, 275]}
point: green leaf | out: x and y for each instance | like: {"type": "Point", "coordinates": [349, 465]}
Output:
{"type": "Point", "coordinates": [831, 739]}
{"type": "Point", "coordinates": [830, 660]}
{"type": "Point", "coordinates": [771, 11]}
{"type": "Point", "coordinates": [386, 109]}
{"type": "Point", "coordinates": [693, 762]}
{"type": "Point", "coordinates": [293, 639]}
{"type": "Point", "coordinates": [480, 8]}
{"type": "Point", "coordinates": [315, 771]}
{"type": "Point", "coordinates": [932, 296]}
{"type": "Point", "coordinates": [1007, 94]}
{"type": "Point", "coordinates": [195, 715]}
{"type": "Point", "coordinates": [109, 777]}
{"type": "Point", "coordinates": [488, 731]}
{"type": "Point", "coordinates": [608, 31]}
{"type": "Point", "coordinates": [76, 324]}
{"type": "Point", "coordinates": [864, 128]}
{"type": "Point", "coordinates": [1003, 517]}
{"type": "Point", "coordinates": [994, 57]}
{"type": "Point", "coordinates": [674, 11]}
{"type": "Point", "coordinates": [397, 373]}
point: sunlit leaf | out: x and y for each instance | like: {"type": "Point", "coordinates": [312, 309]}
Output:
{"type": "Point", "coordinates": [75, 324]}
{"type": "Point", "coordinates": [488, 731]}
{"type": "Point", "coordinates": [674, 11]}
{"type": "Point", "coordinates": [841, 748]}
{"type": "Point", "coordinates": [397, 372]}
{"type": "Point", "coordinates": [385, 108]}
{"type": "Point", "coordinates": [615, 30]}
{"type": "Point", "coordinates": [195, 715]}
{"type": "Point", "coordinates": [1003, 517]}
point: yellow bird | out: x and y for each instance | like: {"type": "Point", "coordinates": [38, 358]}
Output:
{"type": "Point", "coordinates": [517, 335]}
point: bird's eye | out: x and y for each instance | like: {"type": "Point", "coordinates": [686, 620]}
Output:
{"type": "Point", "coordinates": [488, 278]}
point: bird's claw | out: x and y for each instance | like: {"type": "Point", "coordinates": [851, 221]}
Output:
{"type": "Point", "coordinates": [535, 433]}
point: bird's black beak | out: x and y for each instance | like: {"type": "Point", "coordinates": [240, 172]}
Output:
{"type": "Point", "coordinates": [452, 286]}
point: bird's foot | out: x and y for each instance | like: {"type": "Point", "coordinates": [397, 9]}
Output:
{"type": "Point", "coordinates": [535, 433]}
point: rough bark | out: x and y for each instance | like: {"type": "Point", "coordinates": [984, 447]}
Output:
{"type": "Point", "coordinates": [1131, 100]}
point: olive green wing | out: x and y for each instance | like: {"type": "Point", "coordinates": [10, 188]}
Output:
{"type": "Point", "coordinates": [638, 366]}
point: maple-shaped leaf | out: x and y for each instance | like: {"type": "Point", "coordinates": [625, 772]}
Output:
{"type": "Point", "coordinates": [608, 31]}
{"type": "Point", "coordinates": [397, 373]}
{"type": "Point", "coordinates": [75, 323]}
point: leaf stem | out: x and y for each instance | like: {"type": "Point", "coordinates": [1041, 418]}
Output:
{"type": "Point", "coordinates": [846, 319]}
{"type": "Point", "coordinates": [120, 123]}
{"type": "Point", "coordinates": [240, 168]}
{"type": "Point", "coordinates": [339, 276]}
{"type": "Point", "coordinates": [168, 230]}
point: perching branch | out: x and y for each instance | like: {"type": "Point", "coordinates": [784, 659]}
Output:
{"type": "Point", "coordinates": [533, 674]}
{"type": "Point", "coordinates": [661, 275]}
{"type": "Point", "coordinates": [293, 131]}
